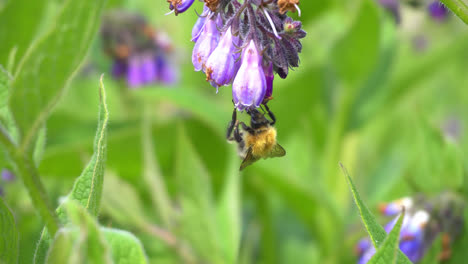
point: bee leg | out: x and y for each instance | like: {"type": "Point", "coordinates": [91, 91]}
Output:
{"type": "Point", "coordinates": [271, 115]}
{"type": "Point", "coordinates": [247, 128]}
{"type": "Point", "coordinates": [237, 134]}
{"type": "Point", "coordinates": [446, 250]}
{"type": "Point", "coordinates": [231, 125]}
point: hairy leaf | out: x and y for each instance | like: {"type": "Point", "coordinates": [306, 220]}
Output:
{"type": "Point", "coordinates": [10, 237]}
{"type": "Point", "coordinates": [125, 247]}
{"type": "Point", "coordinates": [375, 231]}
{"type": "Point", "coordinates": [86, 245]}
{"type": "Point", "coordinates": [50, 63]}
{"type": "Point", "coordinates": [387, 253]}
{"type": "Point", "coordinates": [87, 189]}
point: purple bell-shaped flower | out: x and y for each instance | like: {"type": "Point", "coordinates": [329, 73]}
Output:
{"type": "Point", "coordinates": [206, 43]}
{"type": "Point", "coordinates": [221, 66]}
{"type": "Point", "coordinates": [249, 86]}
{"type": "Point", "coordinates": [437, 11]}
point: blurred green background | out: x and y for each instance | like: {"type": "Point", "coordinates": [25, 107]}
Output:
{"type": "Point", "coordinates": [366, 94]}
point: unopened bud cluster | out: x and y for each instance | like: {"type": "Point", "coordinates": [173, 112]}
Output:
{"type": "Point", "coordinates": [425, 219]}
{"type": "Point", "coordinates": [245, 44]}
{"type": "Point", "coordinates": [140, 54]}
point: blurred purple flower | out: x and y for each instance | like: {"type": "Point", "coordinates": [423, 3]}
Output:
{"type": "Point", "coordinates": [393, 6]}
{"type": "Point", "coordinates": [7, 175]}
{"type": "Point", "coordinates": [438, 11]}
{"type": "Point", "coordinates": [180, 6]}
{"type": "Point", "coordinates": [141, 55]}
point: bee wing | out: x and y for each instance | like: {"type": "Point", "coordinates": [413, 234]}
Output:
{"type": "Point", "coordinates": [277, 151]}
{"type": "Point", "coordinates": [249, 159]}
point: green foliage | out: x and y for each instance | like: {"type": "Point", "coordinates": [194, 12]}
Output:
{"type": "Point", "coordinates": [87, 189]}
{"type": "Point", "coordinates": [85, 244]}
{"type": "Point", "coordinates": [9, 243]}
{"type": "Point", "coordinates": [124, 246]}
{"type": "Point", "coordinates": [50, 63]}
{"type": "Point", "coordinates": [375, 231]}
{"type": "Point", "coordinates": [387, 252]}
{"type": "Point", "coordinates": [363, 35]}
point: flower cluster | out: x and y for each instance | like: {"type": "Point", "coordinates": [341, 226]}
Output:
{"type": "Point", "coordinates": [139, 52]}
{"type": "Point", "coordinates": [244, 43]}
{"type": "Point", "coordinates": [435, 8]}
{"type": "Point", "coordinates": [424, 220]}
{"type": "Point", "coordinates": [7, 176]}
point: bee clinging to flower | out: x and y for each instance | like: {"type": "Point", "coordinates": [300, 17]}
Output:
{"type": "Point", "coordinates": [257, 140]}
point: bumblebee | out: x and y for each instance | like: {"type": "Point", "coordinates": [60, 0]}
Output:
{"type": "Point", "coordinates": [257, 140]}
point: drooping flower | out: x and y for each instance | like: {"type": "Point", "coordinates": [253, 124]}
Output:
{"type": "Point", "coordinates": [198, 27]}
{"type": "Point", "coordinates": [221, 66]}
{"type": "Point", "coordinates": [206, 43]}
{"type": "Point", "coordinates": [438, 11]}
{"type": "Point", "coordinates": [7, 176]}
{"type": "Point", "coordinates": [249, 86]}
{"type": "Point", "coordinates": [141, 54]}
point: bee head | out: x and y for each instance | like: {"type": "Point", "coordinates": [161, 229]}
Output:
{"type": "Point", "coordinates": [257, 119]}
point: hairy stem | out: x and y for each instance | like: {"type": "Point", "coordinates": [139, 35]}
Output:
{"type": "Point", "coordinates": [458, 7]}
{"type": "Point", "coordinates": [28, 173]}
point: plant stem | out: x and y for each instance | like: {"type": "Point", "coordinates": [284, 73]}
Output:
{"type": "Point", "coordinates": [458, 7]}
{"type": "Point", "coordinates": [28, 173]}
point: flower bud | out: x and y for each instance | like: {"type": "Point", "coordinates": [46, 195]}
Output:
{"type": "Point", "coordinates": [207, 42]}
{"type": "Point", "coordinates": [180, 6]}
{"type": "Point", "coordinates": [221, 65]}
{"type": "Point", "coordinates": [269, 76]}
{"type": "Point", "coordinates": [437, 11]}
{"type": "Point", "coordinates": [249, 86]}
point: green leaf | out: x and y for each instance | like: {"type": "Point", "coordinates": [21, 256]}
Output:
{"type": "Point", "coordinates": [198, 223]}
{"type": "Point", "coordinates": [375, 231]}
{"type": "Point", "coordinates": [86, 246]}
{"type": "Point", "coordinates": [9, 240]}
{"type": "Point", "coordinates": [125, 247]}
{"type": "Point", "coordinates": [229, 211]}
{"type": "Point", "coordinates": [206, 110]}
{"type": "Point", "coordinates": [63, 246]}
{"type": "Point", "coordinates": [20, 22]}
{"type": "Point", "coordinates": [87, 189]}
{"type": "Point", "coordinates": [122, 202]}
{"type": "Point", "coordinates": [50, 63]}
{"type": "Point", "coordinates": [387, 253]}
{"type": "Point", "coordinates": [152, 173]}
{"type": "Point", "coordinates": [353, 66]}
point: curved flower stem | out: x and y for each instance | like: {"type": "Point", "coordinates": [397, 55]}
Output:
{"type": "Point", "coordinates": [28, 173]}
{"type": "Point", "coordinates": [458, 7]}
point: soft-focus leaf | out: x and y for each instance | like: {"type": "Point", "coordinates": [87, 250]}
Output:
{"type": "Point", "coordinates": [229, 212]}
{"type": "Point", "coordinates": [28, 14]}
{"type": "Point", "coordinates": [9, 240]}
{"type": "Point", "coordinates": [124, 246]}
{"type": "Point", "coordinates": [62, 248]}
{"type": "Point", "coordinates": [87, 189]}
{"type": "Point", "coordinates": [152, 173]}
{"type": "Point", "coordinates": [198, 220]}
{"type": "Point", "coordinates": [375, 231]}
{"type": "Point", "coordinates": [387, 252]}
{"type": "Point", "coordinates": [351, 65]}
{"type": "Point", "coordinates": [215, 115]}
{"type": "Point", "coordinates": [50, 63]}
{"type": "Point", "coordinates": [87, 245]}
{"type": "Point", "coordinates": [121, 201]}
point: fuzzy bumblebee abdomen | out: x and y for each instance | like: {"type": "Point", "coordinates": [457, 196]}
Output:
{"type": "Point", "coordinates": [262, 143]}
